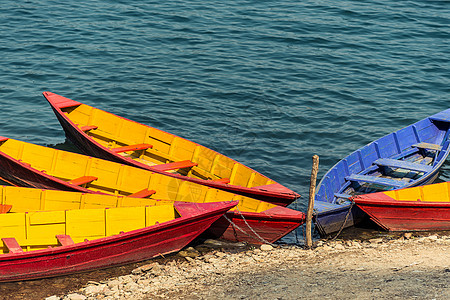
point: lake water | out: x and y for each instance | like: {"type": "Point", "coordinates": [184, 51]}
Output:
{"type": "Point", "coordinates": [268, 83]}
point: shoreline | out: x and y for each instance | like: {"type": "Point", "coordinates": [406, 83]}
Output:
{"type": "Point", "coordinates": [402, 266]}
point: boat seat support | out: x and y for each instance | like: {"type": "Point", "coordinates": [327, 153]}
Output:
{"type": "Point", "coordinates": [401, 164]}
{"type": "Point", "coordinates": [87, 128]}
{"type": "Point", "coordinates": [376, 180]}
{"type": "Point", "coordinates": [132, 148]}
{"type": "Point", "coordinates": [82, 180]}
{"type": "Point", "coordinates": [12, 245]}
{"type": "Point", "coordinates": [175, 165]}
{"type": "Point", "coordinates": [222, 180]}
{"type": "Point", "coordinates": [342, 196]}
{"type": "Point", "coordinates": [143, 194]}
{"type": "Point", "coordinates": [4, 208]}
{"type": "Point", "coordinates": [64, 239]}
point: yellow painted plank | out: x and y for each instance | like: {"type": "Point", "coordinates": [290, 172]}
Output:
{"type": "Point", "coordinates": [124, 219]}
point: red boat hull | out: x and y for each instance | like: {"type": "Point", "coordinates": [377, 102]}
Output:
{"type": "Point", "coordinates": [271, 225]}
{"type": "Point", "coordinates": [396, 215]}
{"type": "Point", "coordinates": [133, 246]}
{"type": "Point", "coordinates": [274, 193]}
{"type": "Point", "coordinates": [257, 228]}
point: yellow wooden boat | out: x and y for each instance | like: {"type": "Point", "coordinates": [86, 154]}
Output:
{"type": "Point", "coordinates": [107, 136]}
{"type": "Point", "coordinates": [102, 234]}
{"type": "Point", "coordinates": [29, 165]}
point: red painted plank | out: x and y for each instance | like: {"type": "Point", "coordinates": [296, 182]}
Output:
{"type": "Point", "coordinates": [2, 138]}
{"type": "Point", "coordinates": [175, 165]}
{"type": "Point", "coordinates": [222, 180]}
{"type": "Point", "coordinates": [12, 245]}
{"type": "Point", "coordinates": [4, 208]}
{"type": "Point", "coordinates": [64, 239]}
{"type": "Point", "coordinates": [142, 194]}
{"type": "Point", "coordinates": [88, 127]}
{"type": "Point", "coordinates": [82, 180]}
{"type": "Point", "coordinates": [132, 148]}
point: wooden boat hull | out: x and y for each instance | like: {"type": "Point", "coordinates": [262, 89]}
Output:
{"type": "Point", "coordinates": [133, 246]}
{"type": "Point", "coordinates": [408, 157]}
{"type": "Point", "coordinates": [261, 228]}
{"type": "Point", "coordinates": [412, 214]}
{"type": "Point", "coordinates": [21, 172]}
{"type": "Point", "coordinates": [266, 190]}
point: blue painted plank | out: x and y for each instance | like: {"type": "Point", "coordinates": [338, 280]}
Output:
{"type": "Point", "coordinates": [394, 163]}
{"type": "Point", "coordinates": [376, 180]}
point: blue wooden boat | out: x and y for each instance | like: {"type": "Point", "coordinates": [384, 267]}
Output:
{"type": "Point", "coordinates": [411, 156]}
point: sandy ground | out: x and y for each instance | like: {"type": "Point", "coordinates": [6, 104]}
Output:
{"type": "Point", "coordinates": [386, 267]}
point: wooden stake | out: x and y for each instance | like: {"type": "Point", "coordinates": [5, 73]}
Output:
{"type": "Point", "coordinates": [312, 191]}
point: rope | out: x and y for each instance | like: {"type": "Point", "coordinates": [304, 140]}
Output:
{"type": "Point", "coordinates": [345, 221]}
{"type": "Point", "coordinates": [241, 230]}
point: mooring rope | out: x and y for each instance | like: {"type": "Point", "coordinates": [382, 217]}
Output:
{"type": "Point", "coordinates": [345, 221]}
{"type": "Point", "coordinates": [248, 225]}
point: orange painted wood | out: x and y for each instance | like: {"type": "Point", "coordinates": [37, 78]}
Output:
{"type": "Point", "coordinates": [142, 194]}
{"type": "Point", "coordinates": [132, 148]}
{"type": "Point", "coordinates": [87, 128]}
{"type": "Point", "coordinates": [12, 245]}
{"type": "Point", "coordinates": [4, 208]}
{"type": "Point", "coordinates": [64, 239]}
{"type": "Point", "coordinates": [222, 180]}
{"type": "Point", "coordinates": [175, 165]}
{"type": "Point", "coordinates": [82, 180]}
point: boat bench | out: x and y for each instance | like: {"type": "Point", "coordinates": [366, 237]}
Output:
{"type": "Point", "coordinates": [376, 180]}
{"type": "Point", "coordinates": [401, 164]}
{"type": "Point", "coordinates": [132, 148]}
{"type": "Point", "coordinates": [64, 239]}
{"type": "Point", "coordinates": [142, 194]}
{"type": "Point", "coordinates": [88, 127]}
{"type": "Point", "coordinates": [175, 165]}
{"type": "Point", "coordinates": [222, 180]}
{"type": "Point", "coordinates": [428, 146]}
{"type": "Point", "coordinates": [82, 180]}
{"type": "Point", "coordinates": [4, 208]}
{"type": "Point", "coordinates": [14, 247]}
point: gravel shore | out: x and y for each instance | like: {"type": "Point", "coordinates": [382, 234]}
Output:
{"type": "Point", "coordinates": [404, 267]}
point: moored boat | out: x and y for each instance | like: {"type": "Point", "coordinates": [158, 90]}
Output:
{"type": "Point", "coordinates": [39, 244]}
{"type": "Point", "coordinates": [409, 157]}
{"type": "Point", "coordinates": [28, 165]}
{"type": "Point", "coordinates": [422, 208]}
{"type": "Point", "coordinates": [107, 136]}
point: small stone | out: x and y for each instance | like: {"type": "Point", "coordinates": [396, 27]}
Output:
{"type": "Point", "coordinates": [407, 235]}
{"type": "Point", "coordinates": [266, 247]}
{"type": "Point", "coordinates": [432, 237]}
{"type": "Point", "coordinates": [113, 283]}
{"type": "Point", "coordinates": [376, 241]}
{"type": "Point", "coordinates": [94, 289]}
{"type": "Point", "coordinates": [220, 254]}
{"type": "Point", "coordinates": [53, 298]}
{"type": "Point", "coordinates": [339, 247]}
{"type": "Point", "coordinates": [76, 297]}
{"type": "Point", "coordinates": [189, 252]}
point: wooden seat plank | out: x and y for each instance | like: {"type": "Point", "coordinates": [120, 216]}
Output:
{"type": "Point", "coordinates": [222, 180]}
{"type": "Point", "coordinates": [428, 146]}
{"type": "Point", "coordinates": [4, 208]}
{"type": "Point", "coordinates": [401, 164]}
{"type": "Point", "coordinates": [83, 180]}
{"type": "Point", "coordinates": [12, 245]}
{"type": "Point", "coordinates": [64, 239]}
{"type": "Point", "coordinates": [142, 194]}
{"type": "Point", "coordinates": [88, 127]}
{"type": "Point", "coordinates": [376, 180]}
{"type": "Point", "coordinates": [175, 165]}
{"type": "Point", "coordinates": [132, 148]}
{"type": "Point", "coordinates": [342, 196]}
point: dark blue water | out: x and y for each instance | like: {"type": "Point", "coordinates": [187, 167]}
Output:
{"type": "Point", "coordinates": [268, 83]}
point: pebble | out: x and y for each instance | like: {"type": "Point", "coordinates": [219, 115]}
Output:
{"type": "Point", "coordinates": [266, 247]}
{"type": "Point", "coordinates": [53, 298]}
